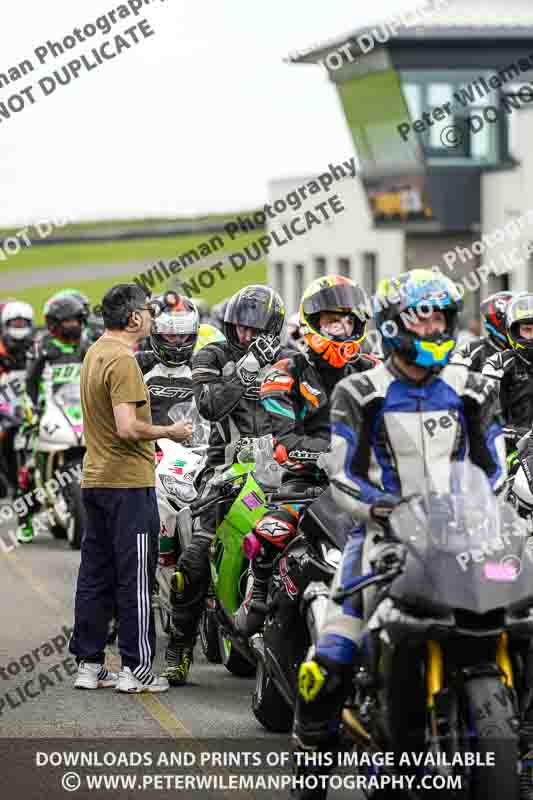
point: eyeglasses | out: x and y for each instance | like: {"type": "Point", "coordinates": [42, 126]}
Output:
{"type": "Point", "coordinates": [152, 310]}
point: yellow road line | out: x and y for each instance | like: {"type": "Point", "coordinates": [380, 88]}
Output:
{"type": "Point", "coordinates": [164, 716]}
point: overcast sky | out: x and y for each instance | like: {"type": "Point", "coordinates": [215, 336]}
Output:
{"type": "Point", "coordinates": [197, 118]}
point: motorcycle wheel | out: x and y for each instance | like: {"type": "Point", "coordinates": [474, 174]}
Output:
{"type": "Point", "coordinates": [234, 662]}
{"type": "Point", "coordinates": [76, 522]}
{"type": "Point", "coordinates": [268, 705]}
{"type": "Point", "coordinates": [209, 637]}
{"type": "Point", "coordinates": [493, 723]}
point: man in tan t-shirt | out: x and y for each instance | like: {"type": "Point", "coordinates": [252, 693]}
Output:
{"type": "Point", "coordinates": [121, 535]}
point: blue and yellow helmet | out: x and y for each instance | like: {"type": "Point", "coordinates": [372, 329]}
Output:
{"type": "Point", "coordinates": [407, 299]}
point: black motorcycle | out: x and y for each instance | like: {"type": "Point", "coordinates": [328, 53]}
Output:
{"type": "Point", "coordinates": [296, 602]}
{"type": "Point", "coordinates": [447, 638]}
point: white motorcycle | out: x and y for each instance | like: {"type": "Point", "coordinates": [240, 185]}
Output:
{"type": "Point", "coordinates": [58, 456]}
{"type": "Point", "coordinates": [178, 468]}
{"type": "Point", "coordinates": [516, 490]}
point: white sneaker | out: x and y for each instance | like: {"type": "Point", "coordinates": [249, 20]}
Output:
{"type": "Point", "coordinates": [94, 676]}
{"type": "Point", "coordinates": [127, 682]}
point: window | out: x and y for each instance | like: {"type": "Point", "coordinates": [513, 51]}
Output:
{"type": "Point", "coordinates": [320, 266]}
{"type": "Point", "coordinates": [344, 266]}
{"type": "Point", "coordinates": [279, 277]}
{"type": "Point", "coordinates": [467, 103]}
{"type": "Point", "coordinates": [437, 95]}
{"type": "Point", "coordinates": [369, 273]}
{"type": "Point", "coordinates": [298, 283]}
{"type": "Point", "coordinates": [511, 100]}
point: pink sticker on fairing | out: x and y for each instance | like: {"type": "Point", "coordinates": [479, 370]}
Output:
{"type": "Point", "coordinates": [78, 428]}
{"type": "Point", "coordinates": [252, 500]}
{"type": "Point", "coordinates": [500, 572]}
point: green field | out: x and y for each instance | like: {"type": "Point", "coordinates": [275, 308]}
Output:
{"type": "Point", "coordinates": [144, 253]}
{"type": "Point", "coordinates": [95, 290]}
{"type": "Point", "coordinates": [116, 252]}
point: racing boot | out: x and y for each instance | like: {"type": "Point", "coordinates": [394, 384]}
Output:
{"type": "Point", "coordinates": [323, 687]}
{"type": "Point", "coordinates": [250, 617]}
{"type": "Point", "coordinates": [179, 658]}
{"type": "Point", "coordinates": [179, 652]}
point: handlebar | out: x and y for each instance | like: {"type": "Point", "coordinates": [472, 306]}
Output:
{"type": "Point", "coordinates": [295, 496]}
{"type": "Point", "coordinates": [515, 433]}
{"type": "Point", "coordinates": [342, 594]}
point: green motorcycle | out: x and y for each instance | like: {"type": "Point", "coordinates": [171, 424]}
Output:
{"type": "Point", "coordinates": [240, 499]}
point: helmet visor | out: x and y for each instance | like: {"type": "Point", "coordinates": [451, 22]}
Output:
{"type": "Point", "coordinates": [19, 328]}
{"type": "Point", "coordinates": [251, 312]}
{"type": "Point", "coordinates": [181, 324]}
{"type": "Point", "coordinates": [342, 296]}
{"type": "Point", "coordinates": [521, 310]}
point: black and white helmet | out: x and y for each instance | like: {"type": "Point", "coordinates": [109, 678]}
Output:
{"type": "Point", "coordinates": [174, 329]}
{"type": "Point", "coordinates": [17, 326]}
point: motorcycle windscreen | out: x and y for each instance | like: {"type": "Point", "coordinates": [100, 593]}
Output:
{"type": "Point", "coordinates": [392, 167]}
{"type": "Point", "coordinates": [465, 548]}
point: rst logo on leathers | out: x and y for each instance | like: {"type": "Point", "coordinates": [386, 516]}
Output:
{"type": "Point", "coordinates": [443, 421]}
{"type": "Point", "coordinates": [170, 391]}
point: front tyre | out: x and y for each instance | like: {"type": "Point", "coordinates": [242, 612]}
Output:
{"type": "Point", "coordinates": [268, 705]}
{"type": "Point", "coordinates": [494, 722]}
{"type": "Point", "coordinates": [209, 636]}
{"type": "Point", "coordinates": [232, 659]}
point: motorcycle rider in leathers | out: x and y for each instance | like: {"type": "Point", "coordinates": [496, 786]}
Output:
{"type": "Point", "coordinates": [166, 368]}
{"type": "Point", "coordinates": [296, 393]}
{"type": "Point", "coordinates": [16, 339]}
{"type": "Point", "coordinates": [60, 348]}
{"type": "Point", "coordinates": [410, 417]}
{"type": "Point", "coordinates": [226, 380]}
{"type": "Point", "coordinates": [513, 368]}
{"type": "Point", "coordinates": [476, 353]}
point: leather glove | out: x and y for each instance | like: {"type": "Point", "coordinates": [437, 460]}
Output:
{"type": "Point", "coordinates": [266, 349]}
{"type": "Point", "coordinates": [381, 511]}
{"type": "Point", "coordinates": [248, 368]}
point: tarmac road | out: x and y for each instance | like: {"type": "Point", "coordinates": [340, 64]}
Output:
{"type": "Point", "coordinates": [38, 582]}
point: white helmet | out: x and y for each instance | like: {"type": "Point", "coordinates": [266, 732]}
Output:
{"type": "Point", "coordinates": [17, 325]}
{"type": "Point", "coordinates": [522, 492]}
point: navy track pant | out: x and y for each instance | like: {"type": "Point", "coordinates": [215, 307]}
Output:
{"type": "Point", "coordinates": [118, 564]}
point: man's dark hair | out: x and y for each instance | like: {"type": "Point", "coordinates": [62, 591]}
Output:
{"type": "Point", "coordinates": [119, 302]}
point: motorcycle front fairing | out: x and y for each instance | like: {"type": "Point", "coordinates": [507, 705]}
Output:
{"type": "Point", "coordinates": [61, 426]}
{"type": "Point", "coordinates": [464, 550]}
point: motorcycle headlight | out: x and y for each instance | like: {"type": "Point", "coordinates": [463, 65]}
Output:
{"type": "Point", "coordinates": [331, 555]}
{"type": "Point", "coordinates": [183, 491]}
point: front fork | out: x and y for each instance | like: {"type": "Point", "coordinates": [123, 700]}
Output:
{"type": "Point", "coordinates": [435, 672]}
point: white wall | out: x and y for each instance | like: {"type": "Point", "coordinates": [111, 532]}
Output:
{"type": "Point", "coordinates": [348, 234]}
{"type": "Point", "coordinates": [506, 196]}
